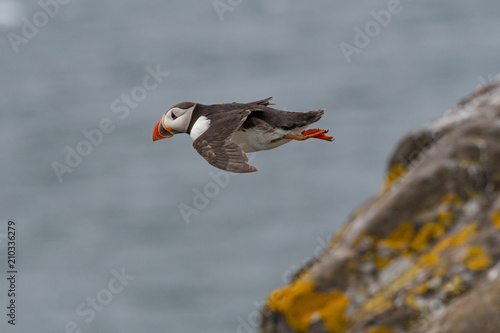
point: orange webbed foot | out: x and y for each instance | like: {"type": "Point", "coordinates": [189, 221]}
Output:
{"type": "Point", "coordinates": [315, 133]}
{"type": "Point", "coordinates": [322, 136]}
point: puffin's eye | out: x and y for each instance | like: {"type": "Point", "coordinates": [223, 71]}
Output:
{"type": "Point", "coordinates": [173, 115]}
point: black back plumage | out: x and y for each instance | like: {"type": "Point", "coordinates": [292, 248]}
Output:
{"type": "Point", "coordinates": [261, 115]}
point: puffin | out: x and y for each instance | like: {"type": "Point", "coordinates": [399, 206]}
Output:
{"type": "Point", "coordinates": [224, 133]}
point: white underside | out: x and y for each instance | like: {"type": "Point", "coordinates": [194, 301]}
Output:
{"type": "Point", "coordinates": [250, 139]}
{"type": "Point", "coordinates": [254, 140]}
{"type": "Point", "coordinates": [199, 127]}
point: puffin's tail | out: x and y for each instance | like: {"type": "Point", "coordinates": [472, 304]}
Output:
{"type": "Point", "coordinates": [293, 120]}
{"type": "Point", "coordinates": [316, 133]}
{"type": "Point", "coordinates": [313, 116]}
{"type": "Point", "coordinates": [306, 118]}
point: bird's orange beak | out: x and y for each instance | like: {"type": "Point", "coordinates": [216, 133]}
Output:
{"type": "Point", "coordinates": [161, 132]}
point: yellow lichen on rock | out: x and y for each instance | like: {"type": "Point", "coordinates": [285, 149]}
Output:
{"type": "Point", "coordinates": [454, 286]}
{"type": "Point", "coordinates": [451, 198]}
{"type": "Point", "coordinates": [384, 300]}
{"type": "Point", "coordinates": [411, 301]}
{"type": "Point", "coordinates": [421, 288]}
{"type": "Point", "coordinates": [394, 173]}
{"type": "Point", "coordinates": [495, 218]}
{"type": "Point", "coordinates": [477, 258]}
{"type": "Point", "coordinates": [445, 217]}
{"type": "Point", "coordinates": [432, 257]}
{"type": "Point", "coordinates": [428, 232]}
{"type": "Point", "coordinates": [445, 213]}
{"type": "Point", "coordinates": [399, 238]}
{"type": "Point", "coordinates": [377, 304]}
{"type": "Point", "coordinates": [382, 262]}
{"type": "Point", "coordinates": [379, 329]}
{"type": "Point", "coordinates": [300, 302]}
{"type": "Point", "coordinates": [408, 238]}
{"type": "Point", "coordinates": [462, 236]}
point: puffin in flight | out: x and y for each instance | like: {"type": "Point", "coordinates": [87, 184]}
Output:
{"type": "Point", "coordinates": [223, 133]}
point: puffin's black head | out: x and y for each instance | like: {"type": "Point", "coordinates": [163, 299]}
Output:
{"type": "Point", "coordinates": [175, 120]}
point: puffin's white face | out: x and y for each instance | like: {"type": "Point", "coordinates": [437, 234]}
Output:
{"type": "Point", "coordinates": [175, 120]}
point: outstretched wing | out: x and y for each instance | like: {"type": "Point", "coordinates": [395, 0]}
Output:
{"type": "Point", "coordinates": [217, 147]}
{"type": "Point", "coordinates": [264, 102]}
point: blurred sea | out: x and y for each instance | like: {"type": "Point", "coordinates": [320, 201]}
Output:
{"type": "Point", "coordinates": [117, 212]}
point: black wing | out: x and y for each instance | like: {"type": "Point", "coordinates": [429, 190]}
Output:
{"type": "Point", "coordinates": [264, 102]}
{"type": "Point", "coordinates": [216, 146]}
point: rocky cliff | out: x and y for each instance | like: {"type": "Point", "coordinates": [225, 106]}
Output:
{"type": "Point", "coordinates": [423, 254]}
